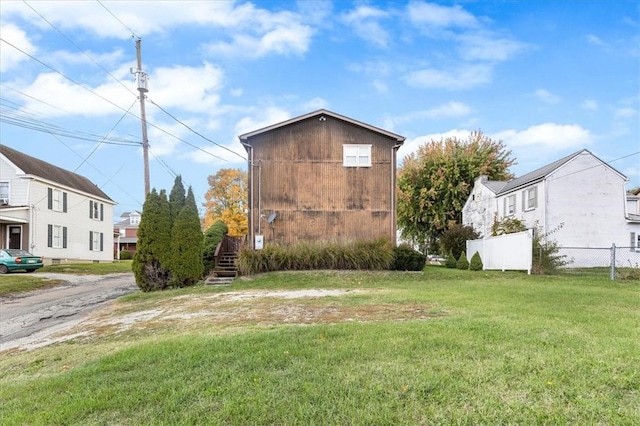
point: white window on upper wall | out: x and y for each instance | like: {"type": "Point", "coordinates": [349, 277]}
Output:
{"type": "Point", "coordinates": [56, 200]}
{"type": "Point", "coordinates": [510, 205]}
{"type": "Point", "coordinates": [356, 155]}
{"type": "Point", "coordinates": [96, 210]}
{"type": "Point", "coordinates": [530, 198]}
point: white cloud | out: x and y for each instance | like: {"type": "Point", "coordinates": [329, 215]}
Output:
{"type": "Point", "coordinates": [589, 105]}
{"type": "Point", "coordinates": [451, 109]}
{"type": "Point", "coordinates": [11, 57]}
{"type": "Point", "coordinates": [465, 76]}
{"type": "Point", "coordinates": [66, 98]}
{"type": "Point", "coordinates": [192, 89]}
{"type": "Point", "coordinates": [315, 104]}
{"type": "Point", "coordinates": [547, 136]}
{"type": "Point", "coordinates": [483, 47]}
{"type": "Point", "coordinates": [594, 40]}
{"type": "Point", "coordinates": [284, 39]}
{"type": "Point", "coordinates": [364, 21]}
{"type": "Point", "coordinates": [412, 145]}
{"type": "Point", "coordinates": [261, 118]}
{"type": "Point", "coordinates": [624, 113]}
{"type": "Point", "coordinates": [380, 86]}
{"type": "Point", "coordinates": [433, 15]}
{"type": "Point", "coordinates": [546, 96]}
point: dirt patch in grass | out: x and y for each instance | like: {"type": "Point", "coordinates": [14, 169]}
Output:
{"type": "Point", "coordinates": [240, 309]}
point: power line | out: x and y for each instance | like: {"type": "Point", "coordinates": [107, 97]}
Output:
{"type": "Point", "coordinates": [79, 49]}
{"type": "Point", "coordinates": [197, 133]}
{"type": "Point", "coordinates": [107, 135]}
{"type": "Point", "coordinates": [118, 19]}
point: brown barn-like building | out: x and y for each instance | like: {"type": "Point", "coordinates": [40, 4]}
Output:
{"type": "Point", "coordinates": [321, 176]}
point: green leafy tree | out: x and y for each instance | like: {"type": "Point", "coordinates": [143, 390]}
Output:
{"type": "Point", "coordinates": [151, 259]}
{"type": "Point", "coordinates": [212, 237]}
{"type": "Point", "coordinates": [455, 238]}
{"type": "Point", "coordinates": [546, 252]}
{"type": "Point", "coordinates": [476, 262]}
{"type": "Point", "coordinates": [186, 245]}
{"type": "Point", "coordinates": [176, 198]}
{"type": "Point", "coordinates": [435, 182]}
{"type": "Point", "coordinates": [463, 263]}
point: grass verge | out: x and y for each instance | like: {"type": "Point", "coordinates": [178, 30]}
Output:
{"type": "Point", "coordinates": [439, 347]}
{"type": "Point", "coordinates": [90, 268]}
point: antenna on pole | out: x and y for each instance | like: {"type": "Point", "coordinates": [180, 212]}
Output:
{"type": "Point", "coordinates": [141, 80]}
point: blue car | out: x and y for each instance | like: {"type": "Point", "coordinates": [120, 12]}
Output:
{"type": "Point", "coordinates": [13, 260]}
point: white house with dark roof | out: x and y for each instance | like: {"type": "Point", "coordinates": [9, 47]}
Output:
{"type": "Point", "coordinates": [579, 196]}
{"type": "Point", "coordinates": [52, 212]}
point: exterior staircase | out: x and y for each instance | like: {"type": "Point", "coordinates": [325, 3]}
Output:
{"type": "Point", "coordinates": [226, 255]}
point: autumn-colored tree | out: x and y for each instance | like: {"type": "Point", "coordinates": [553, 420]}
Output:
{"type": "Point", "coordinates": [436, 180]}
{"type": "Point", "coordinates": [226, 200]}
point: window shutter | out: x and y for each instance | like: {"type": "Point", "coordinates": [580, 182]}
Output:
{"type": "Point", "coordinates": [90, 240]}
{"type": "Point", "coordinates": [101, 212]}
{"type": "Point", "coordinates": [64, 202]}
{"type": "Point", "coordinates": [50, 199]}
{"type": "Point", "coordinates": [632, 246]}
{"type": "Point", "coordinates": [101, 241]}
{"type": "Point", "coordinates": [64, 237]}
{"type": "Point", "coordinates": [49, 235]}
{"type": "Point", "coordinates": [524, 200]}
{"type": "Point", "coordinates": [90, 209]}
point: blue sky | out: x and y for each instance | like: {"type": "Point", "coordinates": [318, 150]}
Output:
{"type": "Point", "coordinates": [548, 78]}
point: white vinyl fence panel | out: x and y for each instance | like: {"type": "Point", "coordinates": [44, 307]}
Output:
{"type": "Point", "coordinates": [504, 252]}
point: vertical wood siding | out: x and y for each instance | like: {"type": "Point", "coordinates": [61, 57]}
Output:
{"type": "Point", "coordinates": [298, 174]}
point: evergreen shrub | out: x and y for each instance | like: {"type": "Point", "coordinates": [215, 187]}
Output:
{"type": "Point", "coordinates": [476, 263]}
{"type": "Point", "coordinates": [463, 263]}
{"type": "Point", "coordinates": [126, 255]}
{"type": "Point", "coordinates": [405, 258]}
{"type": "Point", "coordinates": [451, 261]}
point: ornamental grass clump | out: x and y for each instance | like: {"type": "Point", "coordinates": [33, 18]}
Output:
{"type": "Point", "coordinates": [463, 263]}
{"type": "Point", "coordinates": [310, 255]}
{"type": "Point", "coordinates": [476, 263]}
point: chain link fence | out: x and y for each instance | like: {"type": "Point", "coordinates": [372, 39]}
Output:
{"type": "Point", "coordinates": [615, 262]}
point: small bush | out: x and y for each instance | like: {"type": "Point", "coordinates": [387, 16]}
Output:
{"type": "Point", "coordinates": [407, 259]}
{"type": "Point", "coordinates": [451, 261]}
{"type": "Point", "coordinates": [126, 255]}
{"type": "Point", "coordinates": [463, 263]}
{"type": "Point", "coordinates": [546, 257]}
{"type": "Point", "coordinates": [476, 263]}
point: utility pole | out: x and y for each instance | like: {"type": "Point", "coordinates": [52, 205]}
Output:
{"type": "Point", "coordinates": [141, 80]}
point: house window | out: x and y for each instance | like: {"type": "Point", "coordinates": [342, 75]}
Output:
{"type": "Point", "coordinates": [4, 193]}
{"type": "Point", "coordinates": [356, 155]}
{"type": "Point", "coordinates": [96, 241]}
{"type": "Point", "coordinates": [510, 205]}
{"type": "Point", "coordinates": [56, 200]}
{"type": "Point", "coordinates": [530, 198]}
{"type": "Point", "coordinates": [96, 210]}
{"type": "Point", "coordinates": [635, 242]}
{"type": "Point", "coordinates": [56, 236]}
{"type": "Point", "coordinates": [134, 219]}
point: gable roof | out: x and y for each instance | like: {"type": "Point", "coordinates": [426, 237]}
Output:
{"type": "Point", "coordinates": [244, 137]}
{"type": "Point", "coordinates": [42, 169]}
{"type": "Point", "coordinates": [538, 174]}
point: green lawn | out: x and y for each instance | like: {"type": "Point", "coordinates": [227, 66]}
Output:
{"type": "Point", "coordinates": [439, 347]}
{"type": "Point", "coordinates": [90, 268]}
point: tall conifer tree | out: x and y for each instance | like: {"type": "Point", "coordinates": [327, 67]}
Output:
{"type": "Point", "coordinates": [150, 262]}
{"type": "Point", "coordinates": [176, 198]}
{"type": "Point", "coordinates": [186, 245]}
